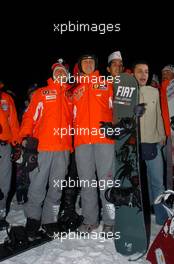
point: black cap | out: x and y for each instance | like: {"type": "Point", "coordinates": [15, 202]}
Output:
{"type": "Point", "coordinates": [87, 56]}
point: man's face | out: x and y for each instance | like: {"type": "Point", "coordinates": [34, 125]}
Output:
{"type": "Point", "coordinates": [59, 75]}
{"type": "Point", "coordinates": [88, 66]}
{"type": "Point", "coordinates": [141, 73]}
{"type": "Point", "coordinates": [1, 85]}
{"type": "Point", "coordinates": [115, 68]}
{"type": "Point", "coordinates": [167, 75]}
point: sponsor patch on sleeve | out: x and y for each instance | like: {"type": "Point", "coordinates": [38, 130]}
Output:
{"type": "Point", "coordinates": [4, 105]}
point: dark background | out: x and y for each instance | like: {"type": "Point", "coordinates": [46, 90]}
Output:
{"type": "Point", "coordinates": [29, 46]}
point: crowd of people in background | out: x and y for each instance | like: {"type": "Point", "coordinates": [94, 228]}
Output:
{"type": "Point", "coordinates": [60, 105]}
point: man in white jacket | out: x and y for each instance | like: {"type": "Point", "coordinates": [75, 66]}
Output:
{"type": "Point", "coordinates": [152, 137]}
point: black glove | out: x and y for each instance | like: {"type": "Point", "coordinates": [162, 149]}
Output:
{"type": "Point", "coordinates": [16, 152]}
{"type": "Point", "coordinates": [172, 123]}
{"type": "Point", "coordinates": [139, 109]}
{"type": "Point", "coordinates": [22, 184]}
{"type": "Point", "coordinates": [27, 163]}
{"type": "Point", "coordinates": [29, 154]}
{"type": "Point", "coordinates": [119, 130]}
{"type": "Point", "coordinates": [108, 129]}
{"type": "Point", "coordinates": [1, 195]}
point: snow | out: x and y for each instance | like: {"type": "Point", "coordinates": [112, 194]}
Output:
{"type": "Point", "coordinates": [70, 250]}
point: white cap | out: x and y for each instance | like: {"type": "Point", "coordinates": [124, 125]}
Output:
{"type": "Point", "coordinates": [114, 56]}
{"type": "Point", "coordinates": [169, 67]}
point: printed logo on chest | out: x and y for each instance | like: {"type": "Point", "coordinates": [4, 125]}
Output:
{"type": "Point", "coordinates": [50, 94]}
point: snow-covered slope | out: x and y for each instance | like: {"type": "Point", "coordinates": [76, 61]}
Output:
{"type": "Point", "coordinates": [70, 250]}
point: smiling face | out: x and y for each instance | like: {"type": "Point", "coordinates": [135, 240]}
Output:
{"type": "Point", "coordinates": [60, 75]}
{"type": "Point", "coordinates": [88, 66]}
{"type": "Point", "coordinates": [141, 73]}
{"type": "Point", "coordinates": [167, 75]}
{"type": "Point", "coordinates": [115, 68]}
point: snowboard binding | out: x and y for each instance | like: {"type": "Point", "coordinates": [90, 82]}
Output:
{"type": "Point", "coordinates": [69, 221]}
{"type": "Point", "coordinates": [124, 196]}
{"type": "Point", "coordinates": [17, 237]}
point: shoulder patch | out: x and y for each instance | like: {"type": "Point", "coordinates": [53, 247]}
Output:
{"type": "Point", "coordinates": [4, 105]}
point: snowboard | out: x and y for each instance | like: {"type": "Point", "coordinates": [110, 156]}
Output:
{"type": "Point", "coordinates": [132, 213]}
{"type": "Point", "coordinates": [170, 99]}
{"type": "Point", "coordinates": [17, 241]}
{"type": "Point", "coordinates": [68, 221]}
{"type": "Point", "coordinates": [8, 250]}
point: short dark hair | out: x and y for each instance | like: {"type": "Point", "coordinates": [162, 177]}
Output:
{"type": "Point", "coordinates": [135, 63]}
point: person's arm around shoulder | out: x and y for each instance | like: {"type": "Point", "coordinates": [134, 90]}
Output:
{"type": "Point", "coordinates": [31, 115]}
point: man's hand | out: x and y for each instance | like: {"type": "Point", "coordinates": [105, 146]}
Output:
{"type": "Point", "coordinates": [163, 142]}
{"type": "Point", "coordinates": [108, 129]}
{"type": "Point", "coordinates": [106, 124]}
{"type": "Point", "coordinates": [16, 152]}
{"type": "Point", "coordinates": [139, 109]}
{"type": "Point", "coordinates": [119, 130]}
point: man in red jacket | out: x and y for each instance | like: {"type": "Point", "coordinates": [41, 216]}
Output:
{"type": "Point", "coordinates": [167, 80]}
{"type": "Point", "coordinates": [48, 114]}
{"type": "Point", "coordinates": [9, 129]}
{"type": "Point", "coordinates": [92, 99]}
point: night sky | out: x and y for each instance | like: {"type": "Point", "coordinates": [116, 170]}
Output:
{"type": "Point", "coordinates": [29, 44]}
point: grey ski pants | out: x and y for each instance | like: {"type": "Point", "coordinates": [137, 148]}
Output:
{"type": "Point", "coordinates": [99, 158]}
{"type": "Point", "coordinates": [45, 190]}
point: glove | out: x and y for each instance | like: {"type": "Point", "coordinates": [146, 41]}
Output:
{"type": "Point", "coordinates": [22, 184]}
{"type": "Point", "coordinates": [1, 195]}
{"type": "Point", "coordinates": [29, 154]}
{"type": "Point", "coordinates": [162, 198]}
{"type": "Point", "coordinates": [108, 129]}
{"type": "Point", "coordinates": [16, 152]}
{"type": "Point", "coordinates": [139, 109]}
{"type": "Point", "coordinates": [119, 130]}
{"type": "Point", "coordinates": [172, 123]}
